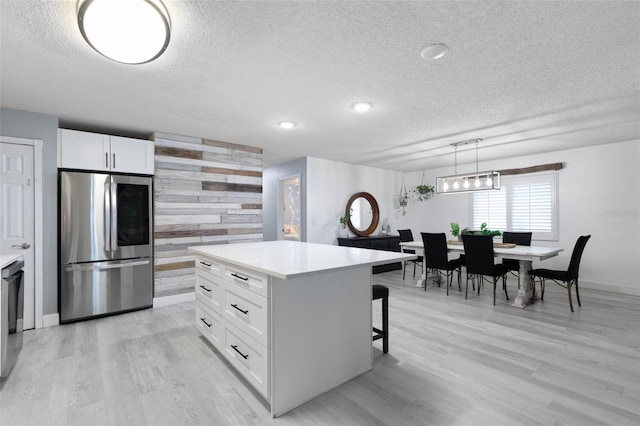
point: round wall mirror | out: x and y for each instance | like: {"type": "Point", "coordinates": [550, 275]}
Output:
{"type": "Point", "coordinates": [365, 214]}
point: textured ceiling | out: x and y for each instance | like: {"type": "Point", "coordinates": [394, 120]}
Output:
{"type": "Point", "coordinates": [527, 77]}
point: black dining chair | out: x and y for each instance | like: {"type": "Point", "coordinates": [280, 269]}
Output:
{"type": "Point", "coordinates": [566, 278]}
{"type": "Point", "coordinates": [520, 239]}
{"type": "Point", "coordinates": [479, 259]}
{"type": "Point", "coordinates": [436, 258]}
{"type": "Point", "coordinates": [406, 236]}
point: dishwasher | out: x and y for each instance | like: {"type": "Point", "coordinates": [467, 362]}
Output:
{"type": "Point", "coordinates": [11, 316]}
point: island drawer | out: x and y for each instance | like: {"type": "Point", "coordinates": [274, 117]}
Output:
{"type": "Point", "coordinates": [247, 311]}
{"type": "Point", "coordinates": [248, 357]}
{"type": "Point", "coordinates": [210, 324]}
{"type": "Point", "coordinates": [209, 286]}
{"type": "Point", "coordinates": [210, 266]}
{"type": "Point", "coordinates": [249, 280]}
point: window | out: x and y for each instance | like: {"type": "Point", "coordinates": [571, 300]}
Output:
{"type": "Point", "coordinates": [524, 203]}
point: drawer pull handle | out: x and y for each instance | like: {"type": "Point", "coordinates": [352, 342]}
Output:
{"type": "Point", "coordinates": [204, 288]}
{"type": "Point", "coordinates": [205, 263]}
{"type": "Point", "coordinates": [206, 323]}
{"type": "Point", "coordinates": [238, 276]}
{"type": "Point", "coordinates": [236, 306]}
{"type": "Point", "coordinates": [235, 348]}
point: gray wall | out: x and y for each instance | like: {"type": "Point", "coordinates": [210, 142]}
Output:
{"type": "Point", "coordinates": [270, 196]}
{"type": "Point", "coordinates": [29, 125]}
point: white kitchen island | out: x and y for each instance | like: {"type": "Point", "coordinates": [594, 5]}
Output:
{"type": "Point", "coordinates": [293, 318]}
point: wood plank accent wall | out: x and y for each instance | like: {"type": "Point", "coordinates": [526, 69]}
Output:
{"type": "Point", "coordinates": [205, 192]}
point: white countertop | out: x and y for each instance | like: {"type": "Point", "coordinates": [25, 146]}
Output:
{"type": "Point", "coordinates": [288, 259]}
{"type": "Point", "coordinates": [8, 259]}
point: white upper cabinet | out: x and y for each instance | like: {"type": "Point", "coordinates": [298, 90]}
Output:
{"type": "Point", "coordinates": [83, 150]}
{"type": "Point", "coordinates": [132, 155]}
{"type": "Point", "coordinates": [94, 151]}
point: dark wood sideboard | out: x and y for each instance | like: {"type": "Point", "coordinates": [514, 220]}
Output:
{"type": "Point", "coordinates": [386, 243]}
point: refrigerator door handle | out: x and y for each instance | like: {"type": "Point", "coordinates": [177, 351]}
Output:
{"type": "Point", "coordinates": [107, 218]}
{"type": "Point", "coordinates": [114, 215]}
{"type": "Point", "coordinates": [94, 266]}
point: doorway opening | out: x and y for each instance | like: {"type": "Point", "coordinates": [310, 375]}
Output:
{"type": "Point", "coordinates": [289, 209]}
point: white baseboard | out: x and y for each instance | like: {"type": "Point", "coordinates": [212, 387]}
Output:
{"type": "Point", "coordinates": [172, 300]}
{"type": "Point", "coordinates": [50, 320]}
{"type": "Point", "coordinates": [608, 287]}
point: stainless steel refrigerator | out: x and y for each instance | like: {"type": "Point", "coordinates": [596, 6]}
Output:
{"type": "Point", "coordinates": [106, 245]}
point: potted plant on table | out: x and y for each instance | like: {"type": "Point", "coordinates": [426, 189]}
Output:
{"type": "Point", "coordinates": [455, 229]}
{"type": "Point", "coordinates": [485, 231]}
{"type": "Point", "coordinates": [344, 220]}
{"type": "Point", "coordinates": [456, 232]}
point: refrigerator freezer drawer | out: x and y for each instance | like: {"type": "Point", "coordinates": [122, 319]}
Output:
{"type": "Point", "coordinates": [93, 289]}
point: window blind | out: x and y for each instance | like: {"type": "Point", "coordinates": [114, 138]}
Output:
{"type": "Point", "coordinates": [524, 203]}
{"type": "Point", "coordinates": [531, 207]}
{"type": "Point", "coordinates": [490, 207]}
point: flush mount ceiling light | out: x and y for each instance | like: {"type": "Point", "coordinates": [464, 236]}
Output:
{"type": "Point", "coordinates": [287, 124]}
{"type": "Point", "coordinates": [434, 51]}
{"type": "Point", "coordinates": [470, 182]}
{"type": "Point", "coordinates": [127, 31]}
{"type": "Point", "coordinates": [362, 106]}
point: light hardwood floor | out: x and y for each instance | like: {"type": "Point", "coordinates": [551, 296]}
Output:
{"type": "Point", "coordinates": [451, 362]}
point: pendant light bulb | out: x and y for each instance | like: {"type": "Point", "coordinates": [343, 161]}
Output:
{"type": "Point", "coordinates": [467, 182]}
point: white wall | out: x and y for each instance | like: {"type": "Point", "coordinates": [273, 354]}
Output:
{"type": "Point", "coordinates": [599, 194]}
{"type": "Point", "coordinates": [330, 184]}
{"type": "Point", "coordinates": [325, 188]}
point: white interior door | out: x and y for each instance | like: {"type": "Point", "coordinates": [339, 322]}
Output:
{"type": "Point", "coordinates": [17, 221]}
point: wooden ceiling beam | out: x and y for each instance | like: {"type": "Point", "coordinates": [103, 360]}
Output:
{"type": "Point", "coordinates": [532, 169]}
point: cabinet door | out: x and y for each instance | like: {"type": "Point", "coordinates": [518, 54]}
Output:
{"type": "Point", "coordinates": [83, 150]}
{"type": "Point", "coordinates": [380, 244]}
{"type": "Point", "coordinates": [132, 155]}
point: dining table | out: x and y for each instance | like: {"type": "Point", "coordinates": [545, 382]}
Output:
{"type": "Point", "coordinates": [524, 254]}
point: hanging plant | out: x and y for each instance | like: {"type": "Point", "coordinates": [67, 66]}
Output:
{"type": "Point", "coordinates": [424, 191]}
{"type": "Point", "coordinates": [403, 199]}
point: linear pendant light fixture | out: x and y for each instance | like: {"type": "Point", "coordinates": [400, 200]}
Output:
{"type": "Point", "coordinates": [470, 182]}
{"type": "Point", "coordinates": [127, 31]}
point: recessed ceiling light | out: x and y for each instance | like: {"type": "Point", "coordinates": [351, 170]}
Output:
{"type": "Point", "coordinates": [362, 106]}
{"type": "Point", "coordinates": [287, 124]}
{"type": "Point", "coordinates": [434, 51]}
{"type": "Point", "coordinates": [127, 31]}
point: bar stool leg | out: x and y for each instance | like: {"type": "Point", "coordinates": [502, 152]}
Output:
{"type": "Point", "coordinates": [382, 292]}
{"type": "Point", "coordinates": [385, 324]}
